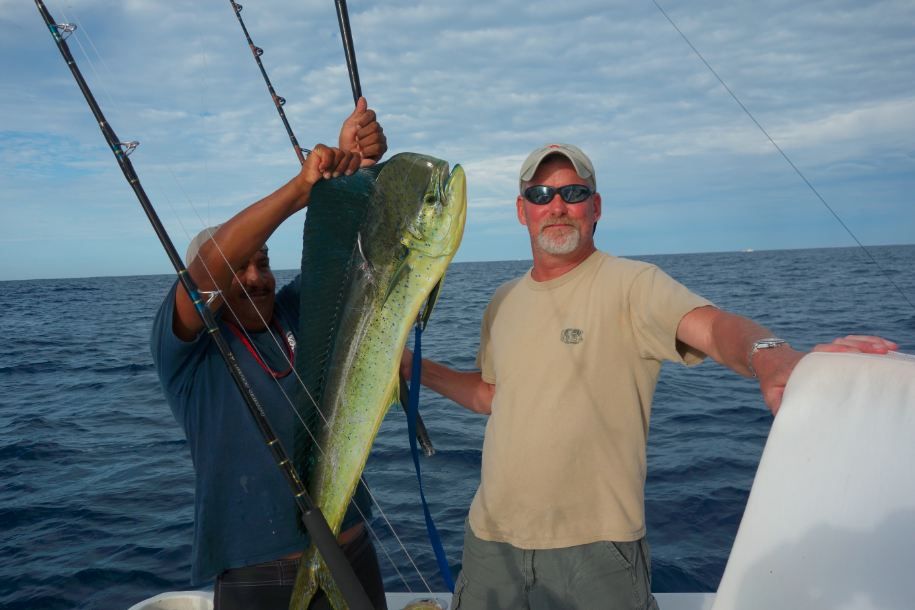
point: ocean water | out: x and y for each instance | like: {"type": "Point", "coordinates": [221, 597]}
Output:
{"type": "Point", "coordinates": [96, 484]}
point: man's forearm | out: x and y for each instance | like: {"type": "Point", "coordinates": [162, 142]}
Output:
{"type": "Point", "coordinates": [465, 388]}
{"type": "Point", "coordinates": [733, 337]}
{"type": "Point", "coordinates": [213, 269]}
{"type": "Point", "coordinates": [728, 339]}
{"type": "Point", "coordinates": [243, 235]}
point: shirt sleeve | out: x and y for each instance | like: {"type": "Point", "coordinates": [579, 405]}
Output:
{"type": "Point", "coordinates": [657, 303]}
{"type": "Point", "coordinates": [484, 360]}
{"type": "Point", "coordinates": [175, 360]}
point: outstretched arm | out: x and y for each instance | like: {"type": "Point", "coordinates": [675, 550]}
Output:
{"type": "Point", "coordinates": [465, 388]}
{"type": "Point", "coordinates": [728, 338]}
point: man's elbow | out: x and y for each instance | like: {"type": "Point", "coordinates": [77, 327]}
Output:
{"type": "Point", "coordinates": [483, 404]}
{"type": "Point", "coordinates": [482, 408]}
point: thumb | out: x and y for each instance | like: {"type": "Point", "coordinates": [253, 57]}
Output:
{"type": "Point", "coordinates": [361, 107]}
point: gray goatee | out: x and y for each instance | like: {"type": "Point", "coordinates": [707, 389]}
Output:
{"type": "Point", "coordinates": [561, 241]}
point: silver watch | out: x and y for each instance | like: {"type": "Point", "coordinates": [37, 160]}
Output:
{"type": "Point", "coordinates": [764, 344]}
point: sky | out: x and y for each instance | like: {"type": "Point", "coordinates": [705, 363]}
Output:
{"type": "Point", "coordinates": [680, 167]}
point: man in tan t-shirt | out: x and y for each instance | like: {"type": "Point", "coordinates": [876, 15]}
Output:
{"type": "Point", "coordinates": [569, 359]}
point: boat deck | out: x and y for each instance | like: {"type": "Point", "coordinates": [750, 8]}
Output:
{"type": "Point", "coordinates": [203, 600]}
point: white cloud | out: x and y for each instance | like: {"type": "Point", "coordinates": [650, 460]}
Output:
{"type": "Point", "coordinates": [895, 119]}
{"type": "Point", "coordinates": [476, 83]}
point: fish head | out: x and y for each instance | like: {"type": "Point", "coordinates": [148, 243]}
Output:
{"type": "Point", "coordinates": [436, 225]}
{"type": "Point", "coordinates": [417, 206]}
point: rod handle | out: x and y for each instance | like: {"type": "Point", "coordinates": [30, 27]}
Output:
{"type": "Point", "coordinates": [422, 435]}
{"type": "Point", "coordinates": [336, 561]}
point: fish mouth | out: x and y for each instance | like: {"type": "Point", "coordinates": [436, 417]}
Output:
{"type": "Point", "coordinates": [457, 169]}
{"type": "Point", "coordinates": [455, 188]}
{"type": "Point", "coordinates": [454, 200]}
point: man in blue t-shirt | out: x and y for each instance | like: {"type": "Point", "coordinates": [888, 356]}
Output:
{"type": "Point", "coordinates": [245, 529]}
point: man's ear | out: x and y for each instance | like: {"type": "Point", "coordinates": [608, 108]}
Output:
{"type": "Point", "coordinates": [520, 204]}
{"type": "Point", "coordinates": [597, 206]}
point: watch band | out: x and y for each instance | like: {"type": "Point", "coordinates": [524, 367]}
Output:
{"type": "Point", "coordinates": [764, 344]}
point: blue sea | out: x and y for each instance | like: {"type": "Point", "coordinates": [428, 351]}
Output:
{"type": "Point", "coordinates": [96, 484]}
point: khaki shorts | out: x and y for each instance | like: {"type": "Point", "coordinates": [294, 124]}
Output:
{"type": "Point", "coordinates": [598, 575]}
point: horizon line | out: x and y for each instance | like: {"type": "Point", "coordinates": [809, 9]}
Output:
{"type": "Point", "coordinates": [632, 256]}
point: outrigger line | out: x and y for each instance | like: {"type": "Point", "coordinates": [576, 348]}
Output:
{"type": "Point", "coordinates": [279, 101]}
{"type": "Point", "coordinates": [321, 534]}
{"type": "Point", "coordinates": [790, 162]}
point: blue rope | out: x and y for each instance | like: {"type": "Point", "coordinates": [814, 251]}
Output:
{"type": "Point", "coordinates": [412, 412]}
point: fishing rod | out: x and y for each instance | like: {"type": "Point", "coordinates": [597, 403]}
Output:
{"type": "Point", "coordinates": [343, 17]}
{"type": "Point", "coordinates": [346, 35]}
{"type": "Point", "coordinates": [314, 520]}
{"type": "Point", "coordinates": [277, 100]}
{"type": "Point", "coordinates": [415, 427]}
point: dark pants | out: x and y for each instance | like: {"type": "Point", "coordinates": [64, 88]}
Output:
{"type": "Point", "coordinates": [268, 586]}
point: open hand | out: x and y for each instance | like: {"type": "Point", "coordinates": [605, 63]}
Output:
{"type": "Point", "coordinates": [774, 366]}
{"type": "Point", "coordinates": [857, 344]}
{"type": "Point", "coordinates": [361, 134]}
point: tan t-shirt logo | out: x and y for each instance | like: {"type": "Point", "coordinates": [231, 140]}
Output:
{"type": "Point", "coordinates": [571, 336]}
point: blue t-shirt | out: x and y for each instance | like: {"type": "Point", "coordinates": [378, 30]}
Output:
{"type": "Point", "coordinates": [244, 511]}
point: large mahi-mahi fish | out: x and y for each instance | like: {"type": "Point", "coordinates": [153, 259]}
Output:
{"type": "Point", "coordinates": [376, 244]}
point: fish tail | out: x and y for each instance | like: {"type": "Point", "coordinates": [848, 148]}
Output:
{"type": "Point", "coordinates": [313, 575]}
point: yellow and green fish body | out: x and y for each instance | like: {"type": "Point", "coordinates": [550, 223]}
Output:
{"type": "Point", "coordinates": [410, 231]}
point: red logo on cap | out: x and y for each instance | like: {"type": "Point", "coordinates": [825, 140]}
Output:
{"type": "Point", "coordinates": [553, 146]}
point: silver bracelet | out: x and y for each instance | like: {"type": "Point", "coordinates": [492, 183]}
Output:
{"type": "Point", "coordinates": [764, 344]}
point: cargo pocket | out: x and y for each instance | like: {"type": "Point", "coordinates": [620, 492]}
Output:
{"type": "Point", "coordinates": [623, 552]}
{"type": "Point", "coordinates": [458, 589]}
{"type": "Point", "coordinates": [646, 555]}
{"type": "Point", "coordinates": [637, 595]}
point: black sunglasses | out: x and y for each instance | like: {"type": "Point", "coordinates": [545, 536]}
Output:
{"type": "Point", "coordinates": [570, 193]}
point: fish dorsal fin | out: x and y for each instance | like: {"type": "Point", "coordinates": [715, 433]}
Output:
{"type": "Point", "coordinates": [335, 214]}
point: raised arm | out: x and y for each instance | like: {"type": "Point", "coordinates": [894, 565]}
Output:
{"type": "Point", "coordinates": [243, 235]}
{"type": "Point", "coordinates": [465, 388]}
{"type": "Point", "coordinates": [728, 338]}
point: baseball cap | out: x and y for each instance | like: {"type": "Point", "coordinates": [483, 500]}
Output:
{"type": "Point", "coordinates": [202, 238]}
{"type": "Point", "coordinates": [580, 161]}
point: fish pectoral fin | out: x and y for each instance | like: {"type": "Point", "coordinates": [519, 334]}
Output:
{"type": "Point", "coordinates": [397, 394]}
{"type": "Point", "coordinates": [402, 271]}
{"type": "Point", "coordinates": [313, 575]}
{"type": "Point", "coordinates": [431, 301]}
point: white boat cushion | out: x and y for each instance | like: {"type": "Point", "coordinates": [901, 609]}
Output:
{"type": "Point", "coordinates": [830, 522]}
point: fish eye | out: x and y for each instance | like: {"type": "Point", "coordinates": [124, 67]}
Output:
{"type": "Point", "coordinates": [430, 199]}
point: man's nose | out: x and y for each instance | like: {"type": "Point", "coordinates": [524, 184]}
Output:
{"type": "Point", "coordinates": [253, 276]}
{"type": "Point", "coordinates": [557, 205]}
